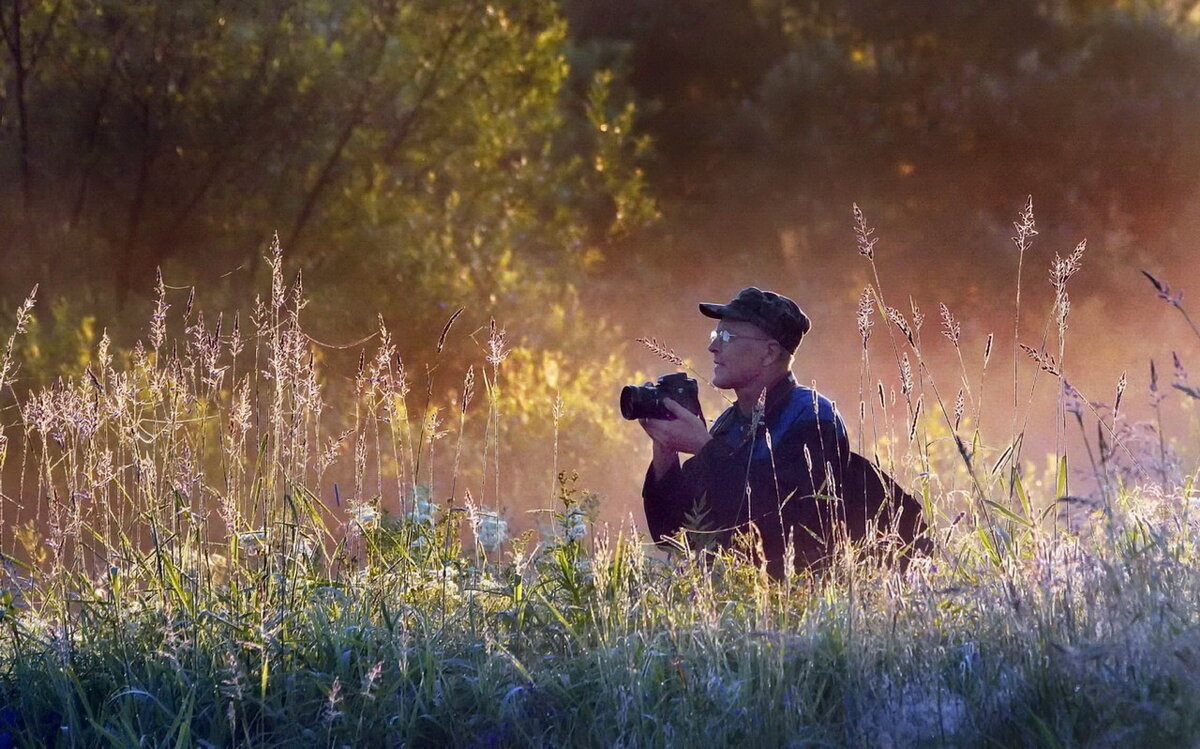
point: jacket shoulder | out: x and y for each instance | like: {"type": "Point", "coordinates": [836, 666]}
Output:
{"type": "Point", "coordinates": [807, 405]}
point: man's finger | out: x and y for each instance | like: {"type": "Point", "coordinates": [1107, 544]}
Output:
{"type": "Point", "coordinates": [678, 410]}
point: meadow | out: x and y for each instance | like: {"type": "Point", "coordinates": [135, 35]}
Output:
{"type": "Point", "coordinates": [180, 568]}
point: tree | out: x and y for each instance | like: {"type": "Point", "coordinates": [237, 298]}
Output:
{"type": "Point", "coordinates": [936, 114]}
{"type": "Point", "coordinates": [28, 30]}
{"type": "Point", "coordinates": [426, 143]}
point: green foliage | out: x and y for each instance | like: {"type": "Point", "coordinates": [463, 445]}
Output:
{"type": "Point", "coordinates": [769, 117]}
{"type": "Point", "coordinates": [61, 346]}
{"type": "Point", "coordinates": [429, 146]}
{"type": "Point", "coordinates": [193, 573]}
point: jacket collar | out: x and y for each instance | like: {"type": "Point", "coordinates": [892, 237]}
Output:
{"type": "Point", "coordinates": [777, 398]}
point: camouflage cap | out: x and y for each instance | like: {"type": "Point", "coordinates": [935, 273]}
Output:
{"type": "Point", "coordinates": [777, 316]}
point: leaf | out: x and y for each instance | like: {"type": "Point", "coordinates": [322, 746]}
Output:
{"type": "Point", "coordinates": [988, 546]}
{"type": "Point", "coordinates": [1007, 513]}
{"type": "Point", "coordinates": [1019, 486]}
{"type": "Point", "coordinates": [1004, 456]}
{"type": "Point", "coordinates": [175, 581]}
{"type": "Point", "coordinates": [1061, 484]}
{"type": "Point", "coordinates": [557, 614]}
{"type": "Point", "coordinates": [183, 722]}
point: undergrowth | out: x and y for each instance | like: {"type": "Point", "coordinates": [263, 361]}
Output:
{"type": "Point", "coordinates": [180, 567]}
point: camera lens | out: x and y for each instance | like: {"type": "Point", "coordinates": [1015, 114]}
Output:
{"type": "Point", "coordinates": [629, 399]}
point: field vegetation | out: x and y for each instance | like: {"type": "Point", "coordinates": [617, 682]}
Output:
{"type": "Point", "coordinates": [207, 543]}
{"type": "Point", "coordinates": [374, 492]}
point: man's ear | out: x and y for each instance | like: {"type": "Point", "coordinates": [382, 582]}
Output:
{"type": "Point", "coordinates": [773, 347]}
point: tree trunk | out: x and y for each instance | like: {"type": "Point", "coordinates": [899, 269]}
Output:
{"type": "Point", "coordinates": [14, 35]}
{"type": "Point", "coordinates": [129, 264]}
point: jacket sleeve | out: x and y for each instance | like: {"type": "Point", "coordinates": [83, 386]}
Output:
{"type": "Point", "coordinates": [681, 491]}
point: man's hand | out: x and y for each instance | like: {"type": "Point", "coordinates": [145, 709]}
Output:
{"type": "Point", "coordinates": [686, 433]}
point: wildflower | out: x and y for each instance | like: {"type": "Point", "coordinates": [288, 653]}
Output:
{"type": "Point", "coordinates": [331, 712]}
{"type": "Point", "coordinates": [585, 569]}
{"type": "Point", "coordinates": [368, 684]}
{"type": "Point", "coordinates": [489, 584]}
{"type": "Point", "coordinates": [423, 509]}
{"type": "Point", "coordinates": [365, 515]}
{"type": "Point", "coordinates": [920, 571]}
{"type": "Point", "coordinates": [252, 543]}
{"type": "Point", "coordinates": [305, 549]}
{"type": "Point", "coordinates": [574, 524]}
{"type": "Point", "coordinates": [490, 530]}
{"type": "Point", "coordinates": [442, 580]}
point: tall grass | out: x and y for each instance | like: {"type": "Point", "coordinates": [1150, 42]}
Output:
{"type": "Point", "coordinates": [187, 570]}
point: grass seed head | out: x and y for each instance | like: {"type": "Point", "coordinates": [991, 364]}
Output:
{"type": "Point", "coordinates": [866, 311]}
{"type": "Point", "coordinates": [863, 234]}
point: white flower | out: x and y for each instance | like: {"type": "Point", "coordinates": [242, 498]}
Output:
{"type": "Point", "coordinates": [365, 515]}
{"type": "Point", "coordinates": [252, 543]}
{"type": "Point", "coordinates": [442, 580]}
{"type": "Point", "coordinates": [490, 530]}
{"type": "Point", "coordinates": [423, 510]}
{"type": "Point", "coordinates": [305, 549]}
{"type": "Point", "coordinates": [585, 569]}
{"type": "Point", "coordinates": [490, 584]}
{"type": "Point", "coordinates": [574, 524]}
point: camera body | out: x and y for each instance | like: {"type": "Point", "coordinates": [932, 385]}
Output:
{"type": "Point", "coordinates": [645, 401]}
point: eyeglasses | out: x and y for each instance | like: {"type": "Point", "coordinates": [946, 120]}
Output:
{"type": "Point", "coordinates": [724, 336]}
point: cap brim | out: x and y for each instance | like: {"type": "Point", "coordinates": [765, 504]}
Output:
{"type": "Point", "coordinates": [725, 312]}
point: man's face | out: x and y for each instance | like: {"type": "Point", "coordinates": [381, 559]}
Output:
{"type": "Point", "coordinates": [740, 361]}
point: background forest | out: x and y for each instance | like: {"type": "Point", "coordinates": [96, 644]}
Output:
{"type": "Point", "coordinates": [581, 172]}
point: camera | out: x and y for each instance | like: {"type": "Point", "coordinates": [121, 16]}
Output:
{"type": "Point", "coordinates": [645, 401]}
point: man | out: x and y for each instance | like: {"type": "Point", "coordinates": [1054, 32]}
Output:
{"type": "Point", "coordinates": [771, 464]}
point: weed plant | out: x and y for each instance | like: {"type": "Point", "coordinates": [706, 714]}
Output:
{"type": "Point", "coordinates": [181, 570]}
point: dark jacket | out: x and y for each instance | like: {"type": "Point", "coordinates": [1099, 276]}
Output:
{"type": "Point", "coordinates": [778, 477]}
